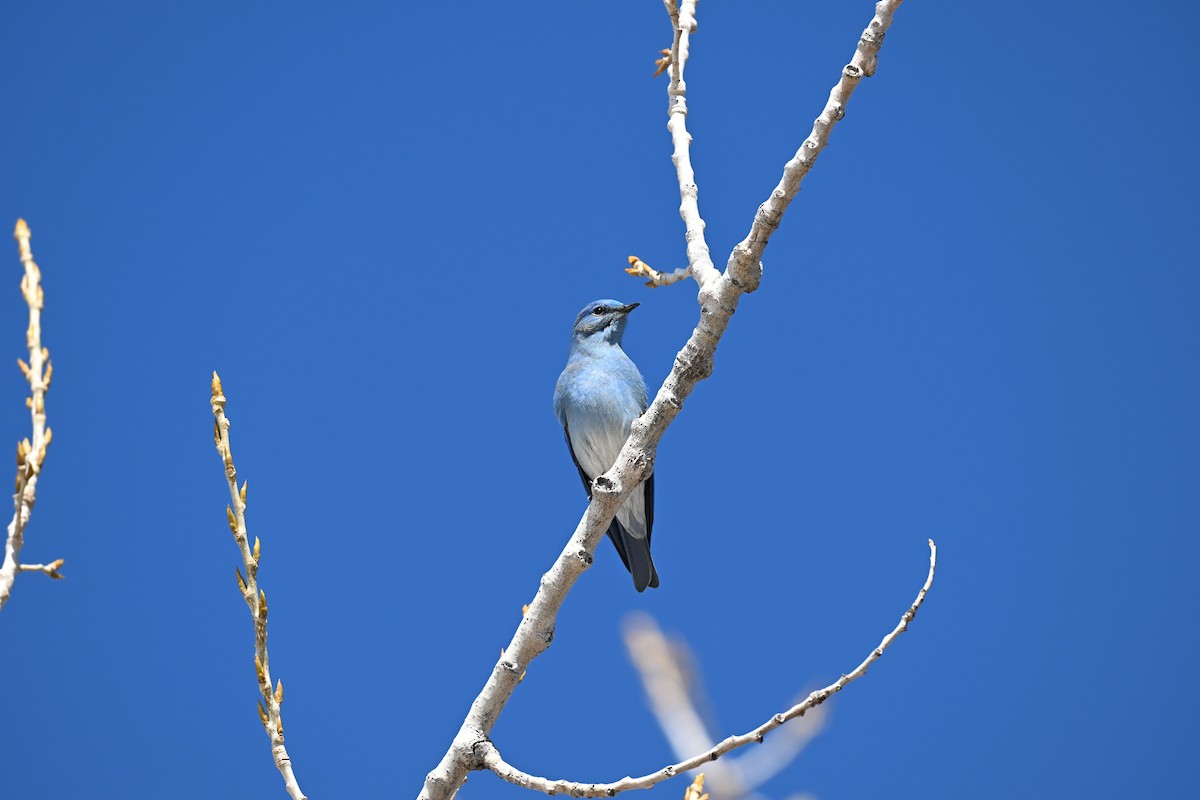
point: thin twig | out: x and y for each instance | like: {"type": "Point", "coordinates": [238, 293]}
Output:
{"type": "Point", "coordinates": [51, 569]}
{"type": "Point", "coordinates": [745, 260]}
{"type": "Point", "coordinates": [30, 454]}
{"type": "Point", "coordinates": [699, 259]}
{"type": "Point", "coordinates": [256, 599]}
{"type": "Point", "coordinates": [493, 761]}
{"type": "Point", "coordinates": [641, 269]}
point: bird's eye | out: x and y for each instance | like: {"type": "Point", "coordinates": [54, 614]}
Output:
{"type": "Point", "coordinates": [598, 310]}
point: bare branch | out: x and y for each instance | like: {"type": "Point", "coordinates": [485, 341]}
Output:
{"type": "Point", "coordinates": [699, 259]}
{"type": "Point", "coordinates": [493, 761]}
{"type": "Point", "coordinates": [51, 569]}
{"type": "Point", "coordinates": [30, 454]}
{"type": "Point", "coordinates": [641, 269]}
{"type": "Point", "coordinates": [745, 260]}
{"type": "Point", "coordinates": [718, 295]}
{"type": "Point", "coordinates": [256, 599]}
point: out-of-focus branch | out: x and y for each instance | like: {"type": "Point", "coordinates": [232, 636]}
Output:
{"type": "Point", "coordinates": [674, 691]}
{"type": "Point", "coordinates": [493, 761]}
{"type": "Point", "coordinates": [30, 452]}
{"type": "Point", "coordinates": [719, 294]}
{"type": "Point", "coordinates": [256, 599]}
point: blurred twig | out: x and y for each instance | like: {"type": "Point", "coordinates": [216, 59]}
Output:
{"type": "Point", "coordinates": [675, 693]}
{"type": "Point", "coordinates": [256, 599]}
{"type": "Point", "coordinates": [30, 452]}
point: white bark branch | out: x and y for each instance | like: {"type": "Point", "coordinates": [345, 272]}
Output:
{"type": "Point", "coordinates": [683, 18]}
{"type": "Point", "coordinates": [745, 262]}
{"type": "Point", "coordinates": [256, 599]}
{"type": "Point", "coordinates": [30, 453]}
{"type": "Point", "coordinates": [50, 570]}
{"type": "Point", "coordinates": [493, 761]}
{"type": "Point", "coordinates": [718, 296]}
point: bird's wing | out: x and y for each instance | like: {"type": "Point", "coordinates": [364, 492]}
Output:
{"type": "Point", "coordinates": [587, 482]}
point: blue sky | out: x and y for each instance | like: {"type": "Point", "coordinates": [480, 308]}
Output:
{"type": "Point", "coordinates": [977, 323]}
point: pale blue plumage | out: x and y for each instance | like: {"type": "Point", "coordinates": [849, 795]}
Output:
{"type": "Point", "coordinates": [598, 396]}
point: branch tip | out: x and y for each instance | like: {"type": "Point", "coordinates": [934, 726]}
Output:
{"type": "Point", "coordinates": [254, 596]}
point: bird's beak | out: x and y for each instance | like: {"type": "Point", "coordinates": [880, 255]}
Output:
{"type": "Point", "coordinates": [628, 308]}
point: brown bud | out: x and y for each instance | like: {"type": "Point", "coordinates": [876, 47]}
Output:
{"type": "Point", "coordinates": [218, 395]}
{"type": "Point", "coordinates": [24, 368]}
{"type": "Point", "coordinates": [241, 580]}
{"type": "Point", "coordinates": [262, 714]}
{"type": "Point", "coordinates": [257, 549]}
{"type": "Point", "coordinates": [232, 520]}
{"type": "Point", "coordinates": [279, 691]}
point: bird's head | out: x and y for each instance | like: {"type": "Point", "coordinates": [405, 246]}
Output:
{"type": "Point", "coordinates": [603, 318]}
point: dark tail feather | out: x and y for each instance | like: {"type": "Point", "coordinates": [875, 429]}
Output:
{"type": "Point", "coordinates": [635, 555]}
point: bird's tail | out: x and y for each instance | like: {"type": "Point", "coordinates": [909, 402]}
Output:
{"type": "Point", "coordinates": [635, 554]}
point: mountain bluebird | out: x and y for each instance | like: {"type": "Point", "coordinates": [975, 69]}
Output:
{"type": "Point", "coordinates": [597, 398]}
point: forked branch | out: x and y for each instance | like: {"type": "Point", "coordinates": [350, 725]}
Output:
{"type": "Point", "coordinates": [718, 296]}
